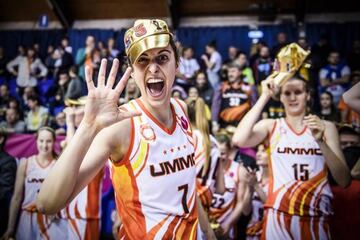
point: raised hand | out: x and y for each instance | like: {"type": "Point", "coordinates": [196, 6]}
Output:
{"type": "Point", "coordinates": [268, 87]}
{"type": "Point", "coordinates": [316, 125]}
{"type": "Point", "coordinates": [101, 107]}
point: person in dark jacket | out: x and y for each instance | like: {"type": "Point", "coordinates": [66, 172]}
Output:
{"type": "Point", "coordinates": [7, 181]}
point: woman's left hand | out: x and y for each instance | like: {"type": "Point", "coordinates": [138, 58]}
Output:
{"type": "Point", "coordinates": [316, 125]}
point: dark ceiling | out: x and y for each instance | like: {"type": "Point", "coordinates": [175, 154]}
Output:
{"type": "Point", "coordinates": [30, 10]}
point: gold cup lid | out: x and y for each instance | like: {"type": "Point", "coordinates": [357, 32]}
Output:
{"type": "Point", "coordinates": [288, 61]}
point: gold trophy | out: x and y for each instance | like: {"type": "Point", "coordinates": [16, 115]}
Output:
{"type": "Point", "coordinates": [288, 61]}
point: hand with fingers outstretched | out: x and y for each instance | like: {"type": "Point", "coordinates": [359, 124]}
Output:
{"type": "Point", "coordinates": [101, 108]}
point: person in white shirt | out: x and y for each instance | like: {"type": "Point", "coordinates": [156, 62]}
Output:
{"type": "Point", "coordinates": [213, 64]}
{"type": "Point", "coordinates": [28, 67]}
{"type": "Point", "coordinates": [188, 66]}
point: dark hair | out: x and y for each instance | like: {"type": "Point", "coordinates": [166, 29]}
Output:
{"type": "Point", "coordinates": [346, 129]}
{"type": "Point", "coordinates": [176, 51]}
{"type": "Point", "coordinates": [329, 94]}
{"type": "Point", "coordinates": [73, 69]}
{"type": "Point", "coordinates": [212, 44]}
{"type": "Point", "coordinates": [34, 98]}
{"type": "Point", "coordinates": [3, 133]}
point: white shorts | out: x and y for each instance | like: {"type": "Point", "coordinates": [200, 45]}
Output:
{"type": "Point", "coordinates": [35, 226]}
{"type": "Point", "coordinates": [80, 229]}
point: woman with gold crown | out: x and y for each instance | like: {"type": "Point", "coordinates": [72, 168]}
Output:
{"type": "Point", "coordinates": [148, 141]}
{"type": "Point", "coordinates": [303, 149]}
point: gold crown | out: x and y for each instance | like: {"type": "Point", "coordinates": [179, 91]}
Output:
{"type": "Point", "coordinates": [288, 61]}
{"type": "Point", "coordinates": [144, 35]}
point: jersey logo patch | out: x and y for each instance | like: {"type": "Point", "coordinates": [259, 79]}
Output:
{"type": "Point", "coordinates": [147, 132]}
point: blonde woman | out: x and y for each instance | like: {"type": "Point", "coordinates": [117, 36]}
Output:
{"type": "Point", "coordinates": [29, 177]}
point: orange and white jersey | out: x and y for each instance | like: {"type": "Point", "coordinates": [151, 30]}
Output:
{"type": "Point", "coordinates": [87, 204]}
{"type": "Point", "coordinates": [35, 175]}
{"type": "Point", "coordinates": [223, 204]}
{"type": "Point", "coordinates": [298, 174]}
{"type": "Point", "coordinates": [255, 224]}
{"type": "Point", "coordinates": [154, 183]}
{"type": "Point", "coordinates": [205, 183]}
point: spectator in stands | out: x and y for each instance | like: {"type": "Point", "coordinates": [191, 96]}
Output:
{"type": "Point", "coordinates": [273, 109]}
{"type": "Point", "coordinates": [28, 91]}
{"type": "Point", "coordinates": [247, 73]}
{"type": "Point", "coordinates": [7, 181]}
{"type": "Point", "coordinates": [255, 51]}
{"type": "Point", "coordinates": [131, 91]}
{"type": "Point", "coordinates": [262, 66]}
{"type": "Point", "coordinates": [328, 111]}
{"type": "Point", "coordinates": [113, 52]}
{"type": "Point", "coordinates": [320, 52]}
{"type": "Point", "coordinates": [334, 77]}
{"type": "Point", "coordinates": [66, 59]}
{"type": "Point", "coordinates": [350, 144]}
{"type": "Point", "coordinates": [3, 62]}
{"type": "Point", "coordinates": [30, 69]}
{"type": "Point", "coordinates": [231, 101]}
{"type": "Point", "coordinates": [75, 88]}
{"type": "Point", "coordinates": [4, 99]}
{"type": "Point", "coordinates": [303, 43]}
{"type": "Point", "coordinates": [205, 90]}
{"type": "Point", "coordinates": [36, 47]}
{"type": "Point", "coordinates": [213, 64]}
{"type": "Point", "coordinates": [348, 137]}
{"type": "Point", "coordinates": [50, 60]}
{"type": "Point", "coordinates": [350, 115]}
{"type": "Point", "coordinates": [354, 57]}
{"type": "Point", "coordinates": [232, 55]}
{"type": "Point", "coordinates": [100, 46]}
{"type": "Point", "coordinates": [178, 92]}
{"type": "Point", "coordinates": [83, 55]}
{"type": "Point", "coordinates": [13, 124]}
{"type": "Point", "coordinates": [281, 42]}
{"type": "Point", "coordinates": [13, 103]}
{"type": "Point", "coordinates": [59, 125]}
{"type": "Point", "coordinates": [193, 95]}
{"type": "Point", "coordinates": [58, 91]}
{"type": "Point", "coordinates": [37, 116]}
{"type": "Point", "coordinates": [65, 44]}
{"type": "Point", "coordinates": [188, 67]}
{"type": "Point", "coordinates": [21, 50]}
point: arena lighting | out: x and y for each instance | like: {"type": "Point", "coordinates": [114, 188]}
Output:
{"type": "Point", "coordinates": [255, 34]}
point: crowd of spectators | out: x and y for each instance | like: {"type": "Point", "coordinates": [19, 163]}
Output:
{"type": "Point", "coordinates": [34, 88]}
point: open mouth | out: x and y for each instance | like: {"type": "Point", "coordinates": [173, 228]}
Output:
{"type": "Point", "coordinates": [155, 87]}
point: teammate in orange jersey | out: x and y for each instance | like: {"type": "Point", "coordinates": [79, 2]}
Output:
{"type": "Point", "coordinates": [83, 213]}
{"type": "Point", "coordinates": [259, 184]}
{"type": "Point", "coordinates": [148, 140]}
{"type": "Point", "coordinates": [209, 170]}
{"type": "Point", "coordinates": [303, 148]}
{"type": "Point", "coordinates": [226, 208]}
{"type": "Point", "coordinates": [30, 174]}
